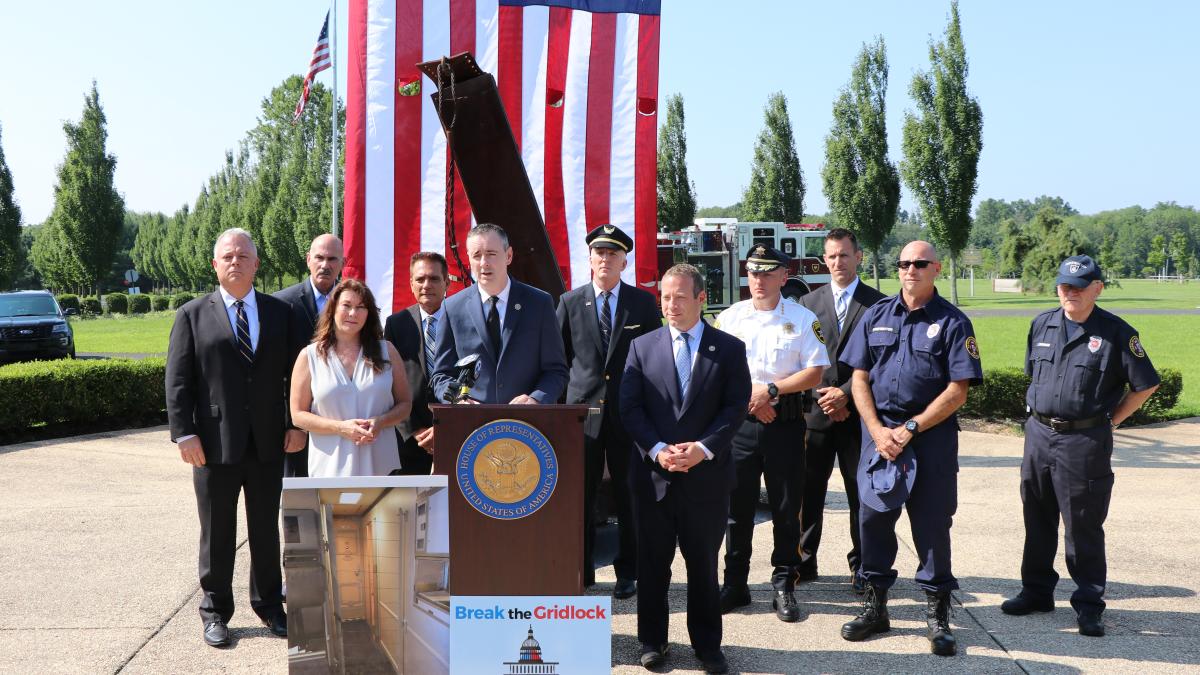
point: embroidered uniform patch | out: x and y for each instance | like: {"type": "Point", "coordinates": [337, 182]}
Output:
{"type": "Point", "coordinates": [1135, 346]}
{"type": "Point", "coordinates": [817, 331]}
{"type": "Point", "coordinates": [972, 348]}
{"type": "Point", "coordinates": [933, 330]}
{"type": "Point", "coordinates": [1094, 344]}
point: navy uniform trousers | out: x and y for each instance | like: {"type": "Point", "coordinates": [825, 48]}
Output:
{"type": "Point", "coordinates": [769, 451]}
{"type": "Point", "coordinates": [1067, 474]}
{"type": "Point", "coordinates": [931, 506]}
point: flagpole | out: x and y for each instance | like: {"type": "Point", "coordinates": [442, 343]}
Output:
{"type": "Point", "coordinates": [333, 67]}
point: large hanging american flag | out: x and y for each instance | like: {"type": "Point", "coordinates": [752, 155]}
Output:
{"type": "Point", "coordinates": [320, 61]}
{"type": "Point", "coordinates": [579, 82]}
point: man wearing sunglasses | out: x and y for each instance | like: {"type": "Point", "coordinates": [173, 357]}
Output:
{"type": "Point", "coordinates": [914, 355]}
{"type": "Point", "coordinates": [1081, 360]}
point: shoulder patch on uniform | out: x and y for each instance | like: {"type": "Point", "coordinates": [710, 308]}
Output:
{"type": "Point", "coordinates": [1135, 346]}
{"type": "Point", "coordinates": [972, 348]}
{"type": "Point", "coordinates": [817, 331]}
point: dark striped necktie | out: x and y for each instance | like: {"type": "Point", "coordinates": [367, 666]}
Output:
{"type": "Point", "coordinates": [242, 329]}
{"type": "Point", "coordinates": [605, 321]}
{"type": "Point", "coordinates": [430, 336]}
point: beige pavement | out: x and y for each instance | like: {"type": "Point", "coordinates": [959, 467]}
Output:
{"type": "Point", "coordinates": [99, 540]}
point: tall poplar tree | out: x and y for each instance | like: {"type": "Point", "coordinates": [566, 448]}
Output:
{"type": "Point", "coordinates": [87, 209]}
{"type": "Point", "coordinates": [942, 142]}
{"type": "Point", "coordinates": [10, 228]}
{"type": "Point", "coordinates": [676, 193]}
{"type": "Point", "coordinates": [862, 185]}
{"type": "Point", "coordinates": [776, 190]}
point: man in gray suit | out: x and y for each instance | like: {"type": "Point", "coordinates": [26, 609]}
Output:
{"type": "Point", "coordinates": [833, 423]}
{"type": "Point", "coordinates": [510, 325]}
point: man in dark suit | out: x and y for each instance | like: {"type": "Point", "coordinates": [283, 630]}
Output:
{"type": "Point", "coordinates": [306, 300]}
{"type": "Point", "coordinates": [413, 331]}
{"type": "Point", "coordinates": [226, 390]}
{"type": "Point", "coordinates": [598, 320]}
{"type": "Point", "coordinates": [684, 394]}
{"type": "Point", "coordinates": [510, 325]}
{"type": "Point", "coordinates": [833, 424]}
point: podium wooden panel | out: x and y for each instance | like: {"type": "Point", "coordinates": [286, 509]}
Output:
{"type": "Point", "coordinates": [539, 554]}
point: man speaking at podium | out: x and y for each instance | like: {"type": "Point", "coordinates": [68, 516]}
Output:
{"type": "Point", "coordinates": [510, 325]}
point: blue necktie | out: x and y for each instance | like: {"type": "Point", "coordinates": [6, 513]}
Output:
{"type": "Point", "coordinates": [430, 336]}
{"type": "Point", "coordinates": [841, 303]}
{"type": "Point", "coordinates": [242, 331]}
{"type": "Point", "coordinates": [683, 363]}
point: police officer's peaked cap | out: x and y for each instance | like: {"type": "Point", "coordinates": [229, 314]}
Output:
{"type": "Point", "coordinates": [764, 259]}
{"type": "Point", "coordinates": [888, 482]}
{"type": "Point", "coordinates": [609, 236]}
{"type": "Point", "coordinates": [1078, 271]}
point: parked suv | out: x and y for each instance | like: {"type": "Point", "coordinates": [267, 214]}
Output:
{"type": "Point", "coordinates": [33, 326]}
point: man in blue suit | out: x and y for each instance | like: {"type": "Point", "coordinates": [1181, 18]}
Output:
{"type": "Point", "coordinates": [684, 394]}
{"type": "Point", "coordinates": [510, 325]}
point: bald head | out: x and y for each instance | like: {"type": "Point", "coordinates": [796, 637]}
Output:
{"type": "Point", "coordinates": [325, 259]}
{"type": "Point", "coordinates": [919, 250]}
{"type": "Point", "coordinates": [919, 268]}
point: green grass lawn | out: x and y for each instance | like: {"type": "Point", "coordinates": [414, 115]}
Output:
{"type": "Point", "coordinates": [1133, 293]}
{"type": "Point", "coordinates": [138, 334]}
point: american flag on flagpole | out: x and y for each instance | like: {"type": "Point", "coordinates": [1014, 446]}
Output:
{"type": "Point", "coordinates": [579, 82]}
{"type": "Point", "coordinates": [320, 61]}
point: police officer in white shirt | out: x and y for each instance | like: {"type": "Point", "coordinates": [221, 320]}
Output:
{"type": "Point", "coordinates": [786, 354]}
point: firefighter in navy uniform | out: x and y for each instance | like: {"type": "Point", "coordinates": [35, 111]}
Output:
{"type": "Point", "coordinates": [1081, 360]}
{"type": "Point", "coordinates": [786, 354]}
{"type": "Point", "coordinates": [914, 357]}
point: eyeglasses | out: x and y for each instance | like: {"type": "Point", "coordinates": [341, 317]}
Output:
{"type": "Point", "coordinates": [919, 264]}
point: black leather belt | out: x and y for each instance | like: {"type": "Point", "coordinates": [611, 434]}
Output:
{"type": "Point", "coordinates": [1061, 425]}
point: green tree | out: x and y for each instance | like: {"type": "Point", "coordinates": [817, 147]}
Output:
{"type": "Point", "coordinates": [1015, 245]}
{"type": "Point", "coordinates": [56, 266]}
{"type": "Point", "coordinates": [1179, 253]}
{"type": "Point", "coordinates": [676, 193]}
{"type": "Point", "coordinates": [734, 211]}
{"type": "Point", "coordinates": [862, 185]}
{"type": "Point", "coordinates": [1156, 257]}
{"type": "Point", "coordinates": [88, 212]}
{"type": "Point", "coordinates": [1054, 241]}
{"type": "Point", "coordinates": [942, 142]}
{"type": "Point", "coordinates": [1110, 263]}
{"type": "Point", "coordinates": [776, 191]}
{"type": "Point", "coordinates": [11, 260]}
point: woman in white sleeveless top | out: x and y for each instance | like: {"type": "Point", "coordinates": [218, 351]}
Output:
{"type": "Point", "coordinates": [349, 389]}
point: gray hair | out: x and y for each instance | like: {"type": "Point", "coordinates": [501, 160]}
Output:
{"type": "Point", "coordinates": [489, 228]}
{"type": "Point", "coordinates": [234, 232]}
{"type": "Point", "coordinates": [690, 272]}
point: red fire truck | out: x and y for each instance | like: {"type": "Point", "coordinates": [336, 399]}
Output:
{"type": "Point", "coordinates": [718, 247]}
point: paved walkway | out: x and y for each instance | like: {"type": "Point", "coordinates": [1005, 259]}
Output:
{"type": "Point", "coordinates": [100, 532]}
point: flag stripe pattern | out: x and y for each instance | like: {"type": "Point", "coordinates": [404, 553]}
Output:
{"type": "Point", "coordinates": [579, 82]}
{"type": "Point", "coordinates": [321, 60]}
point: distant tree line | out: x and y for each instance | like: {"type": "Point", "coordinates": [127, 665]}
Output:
{"type": "Point", "coordinates": [275, 185]}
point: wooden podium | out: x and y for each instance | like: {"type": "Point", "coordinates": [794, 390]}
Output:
{"type": "Point", "coordinates": [491, 458]}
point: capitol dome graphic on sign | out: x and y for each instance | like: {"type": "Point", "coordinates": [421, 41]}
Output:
{"type": "Point", "coordinates": [530, 662]}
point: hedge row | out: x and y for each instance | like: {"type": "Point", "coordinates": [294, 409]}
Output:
{"type": "Point", "coordinates": [1002, 396]}
{"type": "Point", "coordinates": [121, 303]}
{"type": "Point", "coordinates": [80, 392]}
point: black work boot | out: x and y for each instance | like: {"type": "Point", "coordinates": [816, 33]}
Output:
{"type": "Point", "coordinates": [937, 615]}
{"type": "Point", "coordinates": [874, 617]}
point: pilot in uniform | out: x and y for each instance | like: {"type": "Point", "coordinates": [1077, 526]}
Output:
{"type": "Point", "coordinates": [909, 358]}
{"type": "Point", "coordinates": [786, 354]}
{"type": "Point", "coordinates": [1081, 360]}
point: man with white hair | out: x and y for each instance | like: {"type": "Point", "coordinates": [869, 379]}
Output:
{"type": "Point", "coordinates": [228, 362]}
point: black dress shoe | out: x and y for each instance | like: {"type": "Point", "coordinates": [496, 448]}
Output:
{"type": "Point", "coordinates": [1090, 623]}
{"type": "Point", "coordinates": [624, 588]}
{"type": "Point", "coordinates": [1024, 604]}
{"type": "Point", "coordinates": [216, 633]}
{"type": "Point", "coordinates": [805, 574]}
{"type": "Point", "coordinates": [714, 663]}
{"type": "Point", "coordinates": [276, 623]}
{"type": "Point", "coordinates": [653, 657]}
{"type": "Point", "coordinates": [734, 596]}
{"type": "Point", "coordinates": [785, 606]}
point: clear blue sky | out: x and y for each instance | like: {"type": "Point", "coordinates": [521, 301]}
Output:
{"type": "Point", "coordinates": [1091, 101]}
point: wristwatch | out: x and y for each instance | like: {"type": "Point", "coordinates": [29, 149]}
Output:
{"type": "Point", "coordinates": [911, 426]}
{"type": "Point", "coordinates": [772, 390]}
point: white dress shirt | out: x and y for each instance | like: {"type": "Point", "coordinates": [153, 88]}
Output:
{"type": "Point", "coordinates": [501, 303]}
{"type": "Point", "coordinates": [251, 309]}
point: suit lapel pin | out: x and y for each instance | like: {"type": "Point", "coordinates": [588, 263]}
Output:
{"type": "Point", "coordinates": [587, 304]}
{"type": "Point", "coordinates": [712, 348]}
{"type": "Point", "coordinates": [517, 306]}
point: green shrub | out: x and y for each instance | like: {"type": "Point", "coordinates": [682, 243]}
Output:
{"type": "Point", "coordinates": [91, 305]}
{"type": "Point", "coordinates": [1158, 407]}
{"type": "Point", "coordinates": [80, 391]}
{"type": "Point", "coordinates": [68, 301]}
{"type": "Point", "coordinates": [117, 303]}
{"type": "Point", "coordinates": [180, 299]}
{"type": "Point", "coordinates": [160, 303]}
{"type": "Point", "coordinates": [139, 304]}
